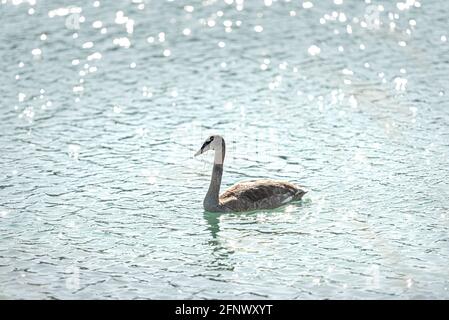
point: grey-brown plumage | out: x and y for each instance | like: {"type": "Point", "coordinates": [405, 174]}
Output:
{"type": "Point", "coordinates": [246, 195]}
{"type": "Point", "coordinates": [260, 194]}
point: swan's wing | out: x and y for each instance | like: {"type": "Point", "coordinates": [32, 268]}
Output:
{"type": "Point", "coordinates": [260, 194]}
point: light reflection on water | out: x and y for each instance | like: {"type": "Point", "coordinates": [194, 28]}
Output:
{"type": "Point", "coordinates": [104, 104]}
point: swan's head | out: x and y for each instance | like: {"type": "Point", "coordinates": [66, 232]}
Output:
{"type": "Point", "coordinates": [214, 142]}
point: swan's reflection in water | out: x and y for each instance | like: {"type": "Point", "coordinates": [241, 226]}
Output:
{"type": "Point", "coordinates": [220, 253]}
{"type": "Point", "coordinates": [234, 233]}
{"type": "Point", "coordinates": [213, 222]}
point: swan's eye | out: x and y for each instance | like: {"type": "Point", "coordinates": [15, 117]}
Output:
{"type": "Point", "coordinates": [211, 139]}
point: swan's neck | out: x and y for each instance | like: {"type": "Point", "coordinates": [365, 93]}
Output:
{"type": "Point", "coordinates": [211, 201]}
{"type": "Point", "coordinates": [212, 196]}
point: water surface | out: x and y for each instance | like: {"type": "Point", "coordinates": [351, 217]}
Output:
{"type": "Point", "coordinates": [103, 105]}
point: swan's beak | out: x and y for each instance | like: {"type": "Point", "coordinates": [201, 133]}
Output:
{"type": "Point", "coordinates": [204, 148]}
{"type": "Point", "coordinates": [198, 152]}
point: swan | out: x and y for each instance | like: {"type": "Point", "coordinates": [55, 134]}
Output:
{"type": "Point", "coordinates": [245, 195]}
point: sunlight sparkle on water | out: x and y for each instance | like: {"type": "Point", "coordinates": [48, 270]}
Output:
{"type": "Point", "coordinates": [258, 28]}
{"type": "Point", "coordinates": [122, 42]}
{"type": "Point", "coordinates": [74, 151]}
{"type": "Point", "coordinates": [314, 50]}
{"type": "Point", "coordinates": [307, 5]}
{"type": "Point", "coordinates": [93, 56]}
{"type": "Point", "coordinates": [117, 109]}
{"type": "Point", "coordinates": [36, 52]}
{"type": "Point", "coordinates": [88, 45]}
{"type": "Point", "coordinates": [3, 213]}
{"type": "Point", "coordinates": [97, 24]}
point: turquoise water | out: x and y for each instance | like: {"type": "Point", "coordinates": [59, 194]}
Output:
{"type": "Point", "coordinates": [103, 105]}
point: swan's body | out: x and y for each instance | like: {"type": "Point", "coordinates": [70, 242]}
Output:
{"type": "Point", "coordinates": [246, 195]}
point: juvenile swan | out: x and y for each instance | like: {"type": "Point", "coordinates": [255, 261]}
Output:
{"type": "Point", "coordinates": [246, 195]}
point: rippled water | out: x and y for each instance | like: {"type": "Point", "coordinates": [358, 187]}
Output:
{"type": "Point", "coordinates": [104, 103]}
